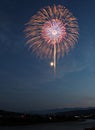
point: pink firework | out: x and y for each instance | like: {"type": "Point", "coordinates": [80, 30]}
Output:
{"type": "Point", "coordinates": [52, 32]}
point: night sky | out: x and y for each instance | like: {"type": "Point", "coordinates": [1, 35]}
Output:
{"type": "Point", "coordinates": [28, 83]}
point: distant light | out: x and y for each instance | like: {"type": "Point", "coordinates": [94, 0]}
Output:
{"type": "Point", "coordinates": [51, 64]}
{"type": "Point", "coordinates": [50, 118]}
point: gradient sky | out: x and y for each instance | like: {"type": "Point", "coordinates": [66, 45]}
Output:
{"type": "Point", "coordinates": [28, 83]}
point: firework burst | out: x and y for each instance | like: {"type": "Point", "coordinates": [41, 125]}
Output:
{"type": "Point", "coordinates": [52, 32]}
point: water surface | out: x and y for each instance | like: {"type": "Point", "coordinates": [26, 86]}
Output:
{"type": "Point", "coordinates": [55, 126]}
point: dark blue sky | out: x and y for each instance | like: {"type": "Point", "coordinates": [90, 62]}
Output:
{"type": "Point", "coordinates": [28, 83]}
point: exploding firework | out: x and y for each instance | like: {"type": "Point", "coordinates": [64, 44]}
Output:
{"type": "Point", "coordinates": [52, 32]}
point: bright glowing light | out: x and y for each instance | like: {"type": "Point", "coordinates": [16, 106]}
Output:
{"type": "Point", "coordinates": [51, 64]}
{"type": "Point", "coordinates": [54, 32]}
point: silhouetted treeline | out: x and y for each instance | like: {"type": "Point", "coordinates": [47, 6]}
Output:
{"type": "Point", "coordinates": [13, 118]}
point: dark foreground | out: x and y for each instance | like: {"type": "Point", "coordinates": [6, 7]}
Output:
{"type": "Point", "coordinates": [80, 125]}
{"type": "Point", "coordinates": [90, 128]}
{"type": "Point", "coordinates": [14, 119]}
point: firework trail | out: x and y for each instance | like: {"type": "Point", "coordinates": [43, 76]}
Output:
{"type": "Point", "coordinates": [52, 32]}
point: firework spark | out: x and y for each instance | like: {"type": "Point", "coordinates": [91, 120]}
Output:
{"type": "Point", "coordinates": [52, 32]}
